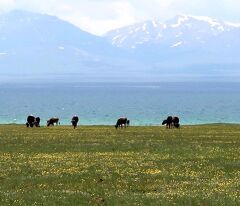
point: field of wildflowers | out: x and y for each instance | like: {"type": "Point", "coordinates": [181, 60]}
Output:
{"type": "Point", "coordinates": [99, 165]}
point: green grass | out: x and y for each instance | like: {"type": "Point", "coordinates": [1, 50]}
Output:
{"type": "Point", "coordinates": [98, 165]}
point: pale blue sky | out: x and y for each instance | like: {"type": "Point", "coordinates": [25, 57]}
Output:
{"type": "Point", "coordinates": [99, 16]}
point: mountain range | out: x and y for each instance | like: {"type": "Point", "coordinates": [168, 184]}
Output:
{"type": "Point", "coordinates": [38, 46]}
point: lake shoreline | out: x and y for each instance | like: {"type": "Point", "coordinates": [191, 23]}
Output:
{"type": "Point", "coordinates": [109, 125]}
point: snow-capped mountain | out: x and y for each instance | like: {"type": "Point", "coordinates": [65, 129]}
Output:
{"type": "Point", "coordinates": [182, 31]}
{"type": "Point", "coordinates": [183, 47]}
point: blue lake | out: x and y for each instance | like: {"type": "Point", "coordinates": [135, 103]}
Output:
{"type": "Point", "coordinates": [103, 103]}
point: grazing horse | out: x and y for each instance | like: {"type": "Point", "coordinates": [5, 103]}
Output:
{"type": "Point", "coordinates": [37, 122]}
{"type": "Point", "coordinates": [175, 121]}
{"type": "Point", "coordinates": [168, 122]}
{"type": "Point", "coordinates": [171, 121]}
{"type": "Point", "coordinates": [32, 121]}
{"type": "Point", "coordinates": [74, 121]}
{"type": "Point", "coordinates": [53, 120]}
{"type": "Point", "coordinates": [120, 122]}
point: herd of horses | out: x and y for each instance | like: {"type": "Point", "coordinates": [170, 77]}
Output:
{"type": "Point", "coordinates": [35, 121]}
{"type": "Point", "coordinates": [122, 122]}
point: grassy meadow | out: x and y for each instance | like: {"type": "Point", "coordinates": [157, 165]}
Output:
{"type": "Point", "coordinates": [99, 165]}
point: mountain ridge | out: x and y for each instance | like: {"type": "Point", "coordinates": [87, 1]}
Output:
{"type": "Point", "coordinates": [153, 30]}
{"type": "Point", "coordinates": [186, 46]}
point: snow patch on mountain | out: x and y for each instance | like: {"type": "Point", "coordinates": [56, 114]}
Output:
{"type": "Point", "coordinates": [177, 44]}
{"type": "Point", "coordinates": [154, 24]}
{"type": "Point", "coordinates": [211, 21]}
{"type": "Point", "coordinates": [144, 27]}
{"type": "Point", "coordinates": [190, 29]}
{"type": "Point", "coordinates": [180, 20]}
{"type": "Point", "coordinates": [231, 24]}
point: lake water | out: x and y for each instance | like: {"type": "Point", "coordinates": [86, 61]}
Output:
{"type": "Point", "coordinates": [103, 103]}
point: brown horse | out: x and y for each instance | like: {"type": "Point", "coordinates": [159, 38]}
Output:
{"type": "Point", "coordinates": [175, 122]}
{"type": "Point", "coordinates": [53, 120]}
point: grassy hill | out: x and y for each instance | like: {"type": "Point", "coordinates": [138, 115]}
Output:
{"type": "Point", "coordinates": [99, 165]}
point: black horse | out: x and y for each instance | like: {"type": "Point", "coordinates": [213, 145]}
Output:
{"type": "Point", "coordinates": [74, 121]}
{"type": "Point", "coordinates": [171, 121]}
{"type": "Point", "coordinates": [121, 122]}
{"type": "Point", "coordinates": [37, 122]}
{"type": "Point", "coordinates": [168, 122]}
{"type": "Point", "coordinates": [32, 121]}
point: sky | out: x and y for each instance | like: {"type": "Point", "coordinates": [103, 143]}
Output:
{"type": "Point", "coordinates": [100, 16]}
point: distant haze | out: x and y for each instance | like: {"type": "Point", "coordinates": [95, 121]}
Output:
{"type": "Point", "coordinates": [100, 16]}
{"type": "Point", "coordinates": [37, 47]}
